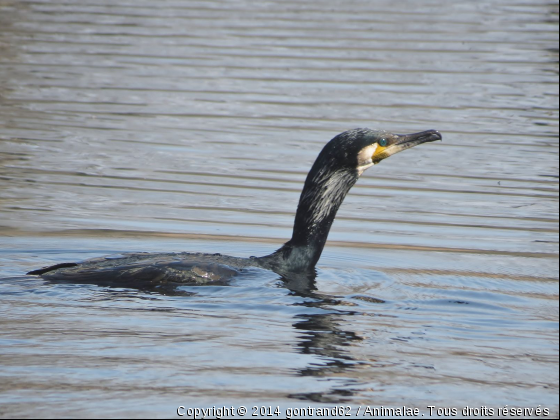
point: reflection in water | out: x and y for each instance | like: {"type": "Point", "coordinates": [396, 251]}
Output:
{"type": "Point", "coordinates": [318, 334]}
{"type": "Point", "coordinates": [322, 335]}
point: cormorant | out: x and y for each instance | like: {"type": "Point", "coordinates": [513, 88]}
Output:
{"type": "Point", "coordinates": [336, 170]}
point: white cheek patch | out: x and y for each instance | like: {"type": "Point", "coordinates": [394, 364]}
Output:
{"type": "Point", "coordinates": [364, 158]}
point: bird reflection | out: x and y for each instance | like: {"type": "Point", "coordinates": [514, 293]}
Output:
{"type": "Point", "coordinates": [322, 335]}
{"type": "Point", "coordinates": [326, 335]}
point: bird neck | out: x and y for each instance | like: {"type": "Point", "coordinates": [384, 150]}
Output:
{"type": "Point", "coordinates": [323, 193]}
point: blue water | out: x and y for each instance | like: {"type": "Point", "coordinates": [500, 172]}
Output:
{"type": "Point", "coordinates": [190, 126]}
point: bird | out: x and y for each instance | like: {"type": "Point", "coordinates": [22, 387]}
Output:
{"type": "Point", "coordinates": [337, 168]}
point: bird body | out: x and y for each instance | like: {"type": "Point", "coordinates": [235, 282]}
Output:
{"type": "Point", "coordinates": [334, 173]}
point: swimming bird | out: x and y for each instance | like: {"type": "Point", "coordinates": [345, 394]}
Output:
{"type": "Point", "coordinates": [334, 173]}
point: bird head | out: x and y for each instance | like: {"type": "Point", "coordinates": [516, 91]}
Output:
{"type": "Point", "coordinates": [362, 148]}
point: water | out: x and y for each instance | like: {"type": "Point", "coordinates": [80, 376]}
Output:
{"type": "Point", "coordinates": [190, 126]}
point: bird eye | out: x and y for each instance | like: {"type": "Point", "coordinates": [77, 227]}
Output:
{"type": "Point", "coordinates": [383, 142]}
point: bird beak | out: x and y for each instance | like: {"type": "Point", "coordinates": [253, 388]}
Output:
{"type": "Point", "coordinates": [399, 142]}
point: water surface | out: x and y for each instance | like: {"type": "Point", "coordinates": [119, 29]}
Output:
{"type": "Point", "coordinates": [190, 126]}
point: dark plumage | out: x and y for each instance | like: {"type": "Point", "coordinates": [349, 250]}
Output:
{"type": "Point", "coordinates": [335, 171]}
